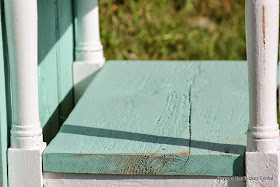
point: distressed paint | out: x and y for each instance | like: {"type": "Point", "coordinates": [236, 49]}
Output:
{"type": "Point", "coordinates": [145, 164]}
{"type": "Point", "coordinates": [136, 118]}
{"type": "Point", "coordinates": [87, 180]}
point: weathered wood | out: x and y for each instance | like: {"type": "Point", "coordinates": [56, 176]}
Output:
{"type": "Point", "coordinates": [157, 118]}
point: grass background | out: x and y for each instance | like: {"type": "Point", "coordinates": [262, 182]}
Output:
{"type": "Point", "coordinates": [173, 29]}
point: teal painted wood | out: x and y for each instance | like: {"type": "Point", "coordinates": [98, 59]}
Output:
{"type": "Point", "coordinates": [55, 52]}
{"type": "Point", "coordinates": [65, 47]}
{"type": "Point", "coordinates": [157, 118]}
{"type": "Point", "coordinates": [47, 68]}
{"type": "Point", "coordinates": [3, 114]}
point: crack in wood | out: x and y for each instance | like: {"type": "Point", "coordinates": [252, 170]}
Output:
{"type": "Point", "coordinates": [190, 126]}
{"type": "Point", "coordinates": [263, 24]}
{"type": "Point", "coordinates": [190, 112]}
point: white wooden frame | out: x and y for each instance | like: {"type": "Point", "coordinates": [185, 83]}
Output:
{"type": "Point", "coordinates": [24, 155]}
{"type": "Point", "coordinates": [88, 180]}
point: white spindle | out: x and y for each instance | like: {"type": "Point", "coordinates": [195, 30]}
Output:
{"type": "Point", "coordinates": [24, 156]}
{"type": "Point", "coordinates": [88, 45]}
{"type": "Point", "coordinates": [262, 155]}
{"type": "Point", "coordinates": [262, 19]}
{"type": "Point", "coordinates": [22, 32]}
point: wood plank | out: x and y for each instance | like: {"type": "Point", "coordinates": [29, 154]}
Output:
{"type": "Point", "coordinates": [135, 118]}
{"type": "Point", "coordinates": [55, 64]}
{"type": "Point", "coordinates": [65, 50]}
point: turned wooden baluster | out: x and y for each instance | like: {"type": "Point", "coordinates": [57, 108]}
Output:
{"type": "Point", "coordinates": [262, 156]}
{"type": "Point", "coordinates": [88, 48]}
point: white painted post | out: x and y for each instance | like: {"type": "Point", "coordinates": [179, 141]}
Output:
{"type": "Point", "coordinates": [262, 155]}
{"type": "Point", "coordinates": [88, 51]}
{"type": "Point", "coordinates": [24, 155]}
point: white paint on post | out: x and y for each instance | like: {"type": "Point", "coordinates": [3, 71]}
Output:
{"type": "Point", "coordinates": [24, 156]}
{"type": "Point", "coordinates": [262, 155]}
{"type": "Point", "coordinates": [262, 48]}
{"type": "Point", "coordinates": [88, 45]}
{"type": "Point", "coordinates": [89, 55]}
{"type": "Point", "coordinates": [21, 22]}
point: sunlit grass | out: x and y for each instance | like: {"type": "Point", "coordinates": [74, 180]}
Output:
{"type": "Point", "coordinates": [173, 29]}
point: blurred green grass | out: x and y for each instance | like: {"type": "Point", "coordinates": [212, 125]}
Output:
{"type": "Point", "coordinates": [173, 29]}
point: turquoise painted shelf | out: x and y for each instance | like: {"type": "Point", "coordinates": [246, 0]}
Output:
{"type": "Point", "coordinates": [157, 118]}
